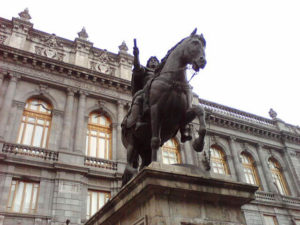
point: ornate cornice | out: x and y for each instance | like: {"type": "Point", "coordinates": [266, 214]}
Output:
{"type": "Point", "coordinates": [62, 69]}
{"type": "Point", "coordinates": [252, 129]}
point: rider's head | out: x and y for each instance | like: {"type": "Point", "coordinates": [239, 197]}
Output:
{"type": "Point", "coordinates": [152, 62]}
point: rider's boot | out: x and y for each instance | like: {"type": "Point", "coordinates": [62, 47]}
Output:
{"type": "Point", "coordinates": [185, 133]}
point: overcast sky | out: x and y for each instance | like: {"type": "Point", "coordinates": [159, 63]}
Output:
{"type": "Point", "coordinates": [253, 47]}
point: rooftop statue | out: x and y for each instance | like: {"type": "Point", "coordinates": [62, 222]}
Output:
{"type": "Point", "coordinates": [161, 104]}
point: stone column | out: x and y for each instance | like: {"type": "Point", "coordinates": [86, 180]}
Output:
{"type": "Point", "coordinates": [121, 151]}
{"type": "Point", "coordinates": [80, 122]}
{"type": "Point", "coordinates": [7, 103]}
{"type": "Point", "coordinates": [294, 185]}
{"type": "Point", "coordinates": [66, 134]}
{"type": "Point", "coordinates": [238, 167]}
{"type": "Point", "coordinates": [270, 183]}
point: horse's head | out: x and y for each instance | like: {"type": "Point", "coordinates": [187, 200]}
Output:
{"type": "Point", "coordinates": [194, 50]}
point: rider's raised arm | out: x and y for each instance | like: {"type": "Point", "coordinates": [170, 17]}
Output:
{"type": "Point", "coordinates": [136, 61]}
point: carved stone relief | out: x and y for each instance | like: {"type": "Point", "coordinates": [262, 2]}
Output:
{"type": "Point", "coordinates": [50, 49]}
{"type": "Point", "coordinates": [2, 39]}
{"type": "Point", "coordinates": [101, 63]}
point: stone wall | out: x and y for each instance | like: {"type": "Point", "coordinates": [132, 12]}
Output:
{"type": "Point", "coordinates": [77, 78]}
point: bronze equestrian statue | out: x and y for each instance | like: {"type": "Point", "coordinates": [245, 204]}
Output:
{"type": "Point", "coordinates": [161, 104]}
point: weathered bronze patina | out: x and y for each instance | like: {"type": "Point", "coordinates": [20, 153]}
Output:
{"type": "Point", "coordinates": [161, 104]}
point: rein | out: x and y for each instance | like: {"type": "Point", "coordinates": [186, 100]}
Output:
{"type": "Point", "coordinates": [179, 70]}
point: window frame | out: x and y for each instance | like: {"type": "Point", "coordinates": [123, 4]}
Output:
{"type": "Point", "coordinates": [270, 216]}
{"type": "Point", "coordinates": [107, 196]}
{"type": "Point", "coordinates": [251, 166]}
{"type": "Point", "coordinates": [37, 115]}
{"type": "Point", "coordinates": [10, 208]}
{"type": "Point", "coordinates": [100, 129]}
{"type": "Point", "coordinates": [277, 172]}
{"type": "Point", "coordinates": [219, 160]}
{"type": "Point", "coordinates": [171, 149]}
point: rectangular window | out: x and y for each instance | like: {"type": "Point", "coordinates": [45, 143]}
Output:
{"type": "Point", "coordinates": [270, 220]}
{"type": "Point", "coordinates": [23, 197]}
{"type": "Point", "coordinates": [95, 201]}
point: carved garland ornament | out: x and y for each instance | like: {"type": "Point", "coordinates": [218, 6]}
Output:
{"type": "Point", "coordinates": [50, 51]}
{"type": "Point", "coordinates": [101, 64]}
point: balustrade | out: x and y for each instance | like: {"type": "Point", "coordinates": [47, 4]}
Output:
{"type": "Point", "coordinates": [30, 151]}
{"type": "Point", "coordinates": [100, 163]}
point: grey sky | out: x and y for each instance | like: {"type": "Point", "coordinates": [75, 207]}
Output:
{"type": "Point", "coordinates": [253, 47]}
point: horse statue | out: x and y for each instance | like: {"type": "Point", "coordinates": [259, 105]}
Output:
{"type": "Point", "coordinates": [170, 107]}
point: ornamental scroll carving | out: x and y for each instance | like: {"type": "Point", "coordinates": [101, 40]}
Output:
{"type": "Point", "coordinates": [2, 39]}
{"type": "Point", "coordinates": [101, 63]}
{"type": "Point", "coordinates": [50, 49]}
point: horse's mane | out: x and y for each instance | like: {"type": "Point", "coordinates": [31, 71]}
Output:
{"type": "Point", "coordinates": [163, 61]}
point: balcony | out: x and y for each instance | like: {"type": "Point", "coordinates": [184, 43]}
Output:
{"type": "Point", "coordinates": [273, 198]}
{"type": "Point", "coordinates": [100, 163]}
{"type": "Point", "coordinates": [30, 151]}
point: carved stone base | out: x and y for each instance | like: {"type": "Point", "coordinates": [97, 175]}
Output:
{"type": "Point", "coordinates": [176, 195]}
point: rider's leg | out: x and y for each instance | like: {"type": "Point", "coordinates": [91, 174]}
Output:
{"type": "Point", "coordinates": [140, 123]}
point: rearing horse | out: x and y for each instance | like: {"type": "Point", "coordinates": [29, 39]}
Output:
{"type": "Point", "coordinates": [169, 103]}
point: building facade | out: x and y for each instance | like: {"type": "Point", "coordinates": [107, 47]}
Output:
{"type": "Point", "coordinates": [61, 156]}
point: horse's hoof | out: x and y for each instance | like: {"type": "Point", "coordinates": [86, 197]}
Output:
{"type": "Point", "coordinates": [198, 144]}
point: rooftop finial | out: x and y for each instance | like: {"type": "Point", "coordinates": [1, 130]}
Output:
{"type": "Point", "coordinates": [273, 114]}
{"type": "Point", "coordinates": [83, 34]}
{"type": "Point", "coordinates": [123, 47]}
{"type": "Point", "coordinates": [24, 15]}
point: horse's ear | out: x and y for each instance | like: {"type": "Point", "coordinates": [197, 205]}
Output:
{"type": "Point", "coordinates": [194, 32]}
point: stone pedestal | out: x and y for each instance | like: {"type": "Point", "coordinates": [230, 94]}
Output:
{"type": "Point", "coordinates": [176, 195]}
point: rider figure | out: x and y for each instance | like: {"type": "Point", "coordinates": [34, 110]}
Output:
{"type": "Point", "coordinates": [140, 76]}
{"type": "Point", "coordinates": [140, 90]}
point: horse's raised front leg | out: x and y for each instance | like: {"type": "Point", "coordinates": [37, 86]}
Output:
{"type": "Point", "coordinates": [191, 114]}
{"type": "Point", "coordinates": [155, 128]}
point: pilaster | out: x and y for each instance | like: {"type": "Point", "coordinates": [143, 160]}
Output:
{"type": "Point", "coordinates": [82, 50]}
{"type": "Point", "coordinates": [266, 171]}
{"type": "Point", "coordinates": [79, 148]}
{"type": "Point", "coordinates": [12, 134]}
{"type": "Point", "coordinates": [66, 133]}
{"type": "Point", "coordinates": [6, 107]}
{"type": "Point", "coordinates": [238, 167]}
{"type": "Point", "coordinates": [21, 27]}
{"type": "Point", "coordinates": [121, 151]}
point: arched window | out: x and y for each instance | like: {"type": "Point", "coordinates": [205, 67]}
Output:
{"type": "Point", "coordinates": [218, 161]}
{"type": "Point", "coordinates": [170, 152]}
{"type": "Point", "coordinates": [278, 177]}
{"type": "Point", "coordinates": [98, 137]}
{"type": "Point", "coordinates": [35, 124]}
{"type": "Point", "coordinates": [249, 169]}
